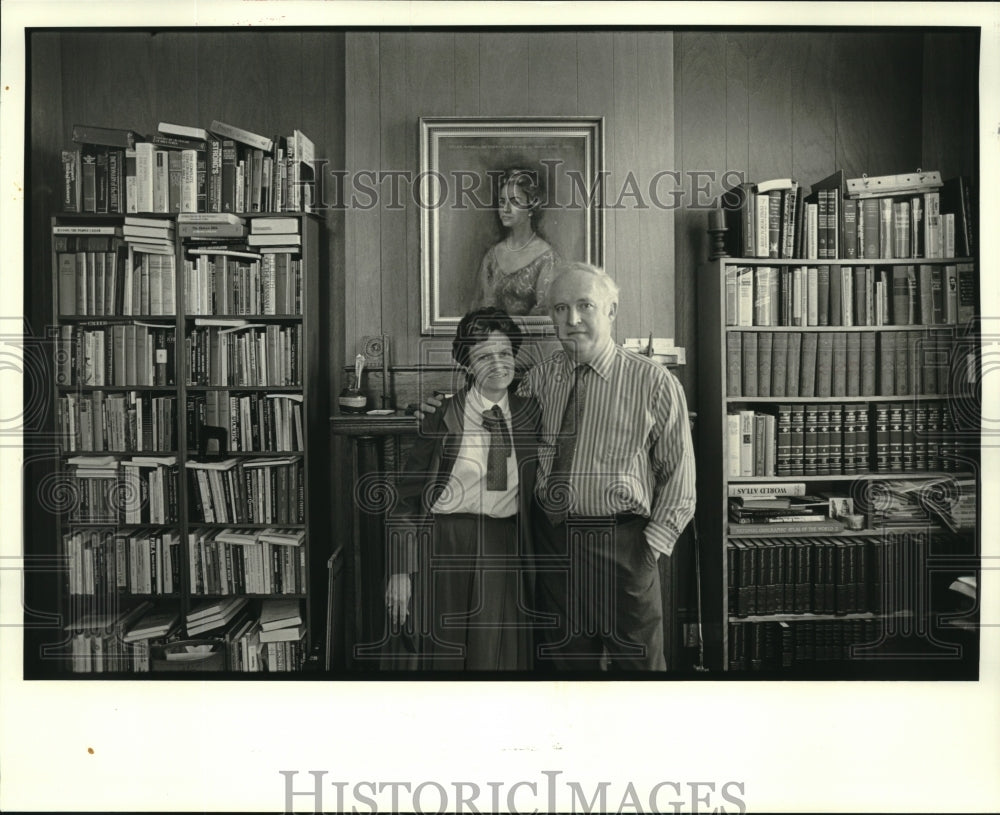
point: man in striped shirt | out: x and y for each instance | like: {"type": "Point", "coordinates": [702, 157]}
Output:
{"type": "Point", "coordinates": [616, 484]}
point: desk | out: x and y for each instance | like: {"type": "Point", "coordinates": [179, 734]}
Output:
{"type": "Point", "coordinates": [376, 443]}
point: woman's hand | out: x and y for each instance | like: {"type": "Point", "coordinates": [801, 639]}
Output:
{"type": "Point", "coordinates": [427, 407]}
{"type": "Point", "coordinates": [397, 597]}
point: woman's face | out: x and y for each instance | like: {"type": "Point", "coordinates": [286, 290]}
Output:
{"type": "Point", "coordinates": [491, 362]}
{"type": "Point", "coordinates": [513, 206]}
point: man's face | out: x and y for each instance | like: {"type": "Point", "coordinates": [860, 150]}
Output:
{"type": "Point", "coordinates": [582, 313]}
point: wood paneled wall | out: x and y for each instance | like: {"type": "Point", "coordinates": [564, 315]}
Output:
{"type": "Point", "coordinates": [397, 77]}
{"type": "Point", "coordinates": [804, 104]}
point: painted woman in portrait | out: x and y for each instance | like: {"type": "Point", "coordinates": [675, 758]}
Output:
{"type": "Point", "coordinates": [515, 273]}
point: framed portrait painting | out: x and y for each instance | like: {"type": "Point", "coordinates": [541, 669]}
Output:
{"type": "Point", "coordinates": [464, 162]}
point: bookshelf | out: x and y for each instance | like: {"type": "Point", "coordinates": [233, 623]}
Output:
{"type": "Point", "coordinates": [860, 414]}
{"type": "Point", "coordinates": [187, 392]}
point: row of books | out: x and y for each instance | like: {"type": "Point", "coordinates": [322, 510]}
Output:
{"type": "Point", "coordinates": [235, 281]}
{"type": "Point", "coordinates": [234, 634]}
{"type": "Point", "coordinates": [247, 491]}
{"type": "Point", "coordinates": [140, 490]}
{"type": "Point", "coordinates": [255, 422]}
{"type": "Point", "coordinates": [121, 354]}
{"type": "Point", "coordinates": [139, 561]}
{"type": "Point", "coordinates": [130, 422]}
{"type": "Point", "coordinates": [119, 280]}
{"type": "Point", "coordinates": [775, 219]}
{"type": "Point", "coordinates": [779, 364]}
{"type": "Point", "coordinates": [924, 294]}
{"type": "Point", "coordinates": [271, 639]}
{"type": "Point", "coordinates": [820, 575]}
{"type": "Point", "coordinates": [840, 439]}
{"type": "Point", "coordinates": [240, 354]}
{"type": "Point", "coordinates": [765, 646]}
{"type": "Point", "coordinates": [98, 640]}
{"type": "Point", "coordinates": [885, 222]}
{"type": "Point", "coordinates": [182, 168]}
{"type": "Point", "coordinates": [247, 561]}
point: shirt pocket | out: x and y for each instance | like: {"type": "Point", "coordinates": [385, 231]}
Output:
{"type": "Point", "coordinates": [624, 439]}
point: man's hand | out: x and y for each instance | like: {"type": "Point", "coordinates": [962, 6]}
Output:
{"type": "Point", "coordinates": [397, 597]}
{"type": "Point", "coordinates": [428, 406]}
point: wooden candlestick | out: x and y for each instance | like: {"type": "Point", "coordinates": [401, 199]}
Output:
{"type": "Point", "coordinates": [717, 243]}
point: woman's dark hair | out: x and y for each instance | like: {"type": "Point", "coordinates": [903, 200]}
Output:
{"type": "Point", "coordinates": [476, 327]}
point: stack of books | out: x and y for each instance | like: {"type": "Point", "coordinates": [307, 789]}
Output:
{"type": "Point", "coordinates": [155, 626]}
{"type": "Point", "coordinates": [952, 501]}
{"type": "Point", "coordinates": [773, 509]}
{"type": "Point", "coordinates": [212, 615]}
{"type": "Point", "coordinates": [211, 225]}
{"type": "Point", "coordinates": [778, 508]}
{"type": "Point", "coordinates": [282, 634]}
{"type": "Point", "coordinates": [152, 235]}
{"type": "Point", "coordinates": [155, 623]}
{"type": "Point", "coordinates": [275, 235]}
{"type": "Point", "coordinates": [899, 504]}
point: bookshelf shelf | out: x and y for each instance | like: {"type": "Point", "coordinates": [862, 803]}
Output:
{"type": "Point", "coordinates": [840, 261]}
{"type": "Point", "coordinates": [122, 527]}
{"type": "Point", "coordinates": [802, 400]}
{"type": "Point", "coordinates": [118, 388]}
{"type": "Point", "coordinates": [123, 454]}
{"type": "Point", "coordinates": [788, 618]}
{"type": "Point", "coordinates": [252, 596]}
{"type": "Point", "coordinates": [247, 388]}
{"type": "Point", "coordinates": [874, 476]}
{"type": "Point", "coordinates": [162, 319]}
{"type": "Point", "coordinates": [257, 318]}
{"type": "Point", "coordinates": [239, 525]}
{"type": "Point", "coordinates": [846, 583]}
{"type": "Point", "coordinates": [818, 329]}
{"type": "Point", "coordinates": [781, 532]}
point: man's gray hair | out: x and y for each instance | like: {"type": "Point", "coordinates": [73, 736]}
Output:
{"type": "Point", "coordinates": [606, 281]}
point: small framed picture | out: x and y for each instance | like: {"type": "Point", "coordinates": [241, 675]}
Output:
{"type": "Point", "coordinates": [840, 506]}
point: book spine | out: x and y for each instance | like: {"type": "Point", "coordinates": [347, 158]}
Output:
{"type": "Point", "coordinates": [840, 364]}
{"type": "Point", "coordinates": [870, 225]}
{"type": "Point", "coordinates": [779, 363]}
{"type": "Point", "coordinates": [765, 341]}
{"type": "Point", "coordinates": [763, 225]}
{"type": "Point", "coordinates": [885, 231]}
{"type": "Point", "coordinates": [734, 353]}
{"type": "Point", "coordinates": [793, 365]}
{"type": "Point", "coordinates": [850, 248]}
{"type": "Point", "coordinates": [824, 364]}
{"type": "Point", "coordinates": [933, 238]}
{"type": "Point", "coordinates": [750, 364]}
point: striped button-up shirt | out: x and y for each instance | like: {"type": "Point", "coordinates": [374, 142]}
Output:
{"type": "Point", "coordinates": [633, 450]}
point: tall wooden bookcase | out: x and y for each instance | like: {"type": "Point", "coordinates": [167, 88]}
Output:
{"type": "Point", "coordinates": [95, 589]}
{"type": "Point", "coordinates": [876, 610]}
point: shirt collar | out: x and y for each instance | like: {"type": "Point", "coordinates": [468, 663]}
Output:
{"type": "Point", "coordinates": [601, 364]}
{"type": "Point", "coordinates": [479, 403]}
